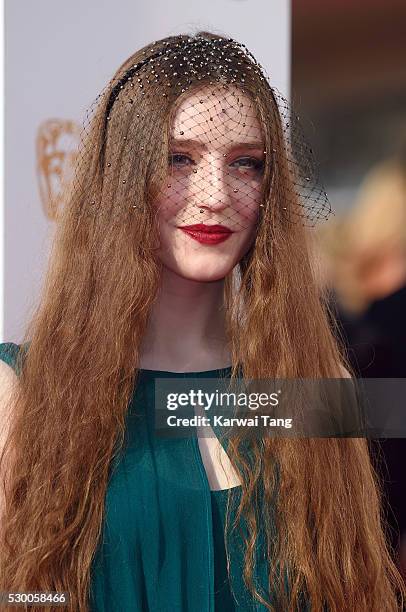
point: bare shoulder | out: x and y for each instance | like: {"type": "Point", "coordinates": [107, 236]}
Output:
{"type": "Point", "coordinates": [8, 384]}
{"type": "Point", "coordinates": [8, 378]}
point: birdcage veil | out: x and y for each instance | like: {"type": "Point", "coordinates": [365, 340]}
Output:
{"type": "Point", "coordinates": [229, 136]}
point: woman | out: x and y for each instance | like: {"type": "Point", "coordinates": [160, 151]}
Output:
{"type": "Point", "coordinates": [138, 290]}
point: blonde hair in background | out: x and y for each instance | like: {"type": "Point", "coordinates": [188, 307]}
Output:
{"type": "Point", "coordinates": [364, 251]}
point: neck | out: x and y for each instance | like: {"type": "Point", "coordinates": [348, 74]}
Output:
{"type": "Point", "coordinates": [186, 327]}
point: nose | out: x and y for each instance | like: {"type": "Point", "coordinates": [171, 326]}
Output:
{"type": "Point", "coordinates": [211, 191]}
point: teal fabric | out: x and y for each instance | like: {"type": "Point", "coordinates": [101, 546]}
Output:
{"type": "Point", "coordinates": [162, 543]}
{"type": "Point", "coordinates": [223, 597]}
{"type": "Point", "coordinates": [9, 353]}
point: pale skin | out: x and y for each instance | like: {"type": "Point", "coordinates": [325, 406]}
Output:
{"type": "Point", "coordinates": [186, 331]}
{"type": "Point", "coordinates": [221, 143]}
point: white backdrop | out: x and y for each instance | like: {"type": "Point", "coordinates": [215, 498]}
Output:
{"type": "Point", "coordinates": [58, 56]}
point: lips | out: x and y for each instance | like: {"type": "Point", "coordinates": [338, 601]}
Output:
{"type": "Point", "coordinates": [207, 234]}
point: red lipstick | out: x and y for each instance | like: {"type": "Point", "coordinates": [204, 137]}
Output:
{"type": "Point", "coordinates": [207, 234]}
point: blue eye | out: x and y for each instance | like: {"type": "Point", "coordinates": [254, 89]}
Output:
{"type": "Point", "coordinates": [180, 159]}
{"type": "Point", "coordinates": [251, 163]}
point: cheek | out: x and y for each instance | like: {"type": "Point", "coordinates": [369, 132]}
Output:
{"type": "Point", "coordinates": [172, 201]}
{"type": "Point", "coordinates": [249, 237]}
{"type": "Point", "coordinates": [244, 189]}
{"type": "Point", "coordinates": [247, 205]}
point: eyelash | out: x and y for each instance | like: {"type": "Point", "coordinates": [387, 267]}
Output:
{"type": "Point", "coordinates": [257, 164]}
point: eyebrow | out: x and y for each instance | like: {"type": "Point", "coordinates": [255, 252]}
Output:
{"type": "Point", "coordinates": [197, 144]}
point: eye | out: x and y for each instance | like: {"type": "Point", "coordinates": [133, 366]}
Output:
{"type": "Point", "coordinates": [250, 163]}
{"type": "Point", "coordinates": [180, 159]}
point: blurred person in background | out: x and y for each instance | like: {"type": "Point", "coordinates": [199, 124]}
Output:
{"type": "Point", "coordinates": [362, 262]}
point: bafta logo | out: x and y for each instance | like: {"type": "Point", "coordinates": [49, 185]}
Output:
{"type": "Point", "coordinates": [56, 149]}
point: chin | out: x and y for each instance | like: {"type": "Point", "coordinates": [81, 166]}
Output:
{"type": "Point", "coordinates": [202, 274]}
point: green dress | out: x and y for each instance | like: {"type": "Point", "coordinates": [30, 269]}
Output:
{"type": "Point", "coordinates": [162, 542]}
{"type": "Point", "coordinates": [163, 547]}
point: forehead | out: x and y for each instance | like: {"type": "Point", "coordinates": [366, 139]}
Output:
{"type": "Point", "coordinates": [216, 112]}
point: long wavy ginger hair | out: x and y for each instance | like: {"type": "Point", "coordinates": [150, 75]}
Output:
{"type": "Point", "coordinates": [80, 371]}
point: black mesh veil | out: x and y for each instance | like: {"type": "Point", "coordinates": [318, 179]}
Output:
{"type": "Point", "coordinates": [192, 124]}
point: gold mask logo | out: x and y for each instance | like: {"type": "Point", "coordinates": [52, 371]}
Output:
{"type": "Point", "coordinates": [56, 150]}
